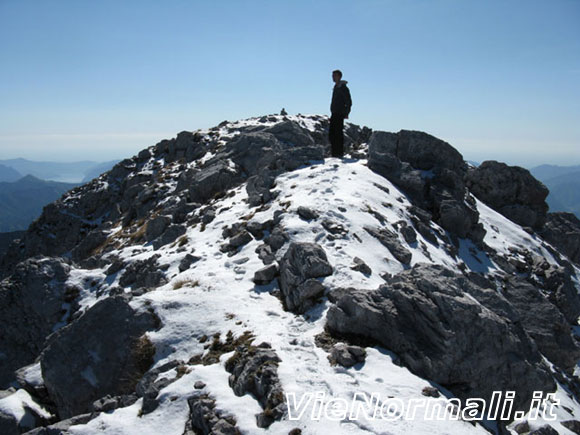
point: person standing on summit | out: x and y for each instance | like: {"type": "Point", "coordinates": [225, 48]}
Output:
{"type": "Point", "coordinates": [339, 109]}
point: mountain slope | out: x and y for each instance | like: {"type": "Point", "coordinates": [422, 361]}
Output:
{"type": "Point", "coordinates": [8, 174]}
{"type": "Point", "coordinates": [238, 249]}
{"type": "Point", "coordinates": [22, 201]}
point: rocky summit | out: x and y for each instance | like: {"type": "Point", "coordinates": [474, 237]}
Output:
{"type": "Point", "coordinates": [197, 286]}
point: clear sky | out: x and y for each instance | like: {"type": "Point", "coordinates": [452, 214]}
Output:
{"type": "Point", "coordinates": [103, 79]}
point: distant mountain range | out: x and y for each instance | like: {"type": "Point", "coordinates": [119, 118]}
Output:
{"type": "Point", "coordinates": [564, 185]}
{"type": "Point", "coordinates": [68, 172]}
{"type": "Point", "coordinates": [26, 186]}
{"type": "Point", "coordinates": [22, 201]}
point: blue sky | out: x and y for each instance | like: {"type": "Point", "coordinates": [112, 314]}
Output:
{"type": "Point", "coordinates": [103, 79]}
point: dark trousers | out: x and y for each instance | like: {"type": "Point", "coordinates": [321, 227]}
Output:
{"type": "Point", "coordinates": [336, 136]}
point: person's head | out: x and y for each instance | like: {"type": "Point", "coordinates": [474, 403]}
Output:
{"type": "Point", "coordinates": [336, 75]}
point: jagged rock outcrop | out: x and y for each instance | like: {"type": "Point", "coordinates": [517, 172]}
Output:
{"type": "Point", "coordinates": [254, 370]}
{"type": "Point", "coordinates": [103, 352]}
{"type": "Point", "coordinates": [206, 419]}
{"type": "Point", "coordinates": [563, 231]}
{"type": "Point", "coordinates": [31, 306]}
{"type": "Point", "coordinates": [447, 328]}
{"type": "Point", "coordinates": [511, 191]}
{"type": "Point", "coordinates": [543, 322]}
{"type": "Point", "coordinates": [300, 267]}
{"type": "Point", "coordinates": [562, 292]}
{"type": "Point", "coordinates": [431, 172]}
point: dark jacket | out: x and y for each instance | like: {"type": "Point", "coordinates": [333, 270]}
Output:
{"type": "Point", "coordinates": [341, 101]}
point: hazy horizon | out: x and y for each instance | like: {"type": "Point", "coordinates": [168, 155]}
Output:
{"type": "Point", "coordinates": [103, 80]}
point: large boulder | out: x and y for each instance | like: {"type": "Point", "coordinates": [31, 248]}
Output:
{"type": "Point", "coordinates": [421, 150]}
{"type": "Point", "coordinates": [31, 306]}
{"type": "Point", "coordinates": [511, 191]}
{"type": "Point", "coordinates": [447, 328]}
{"type": "Point", "coordinates": [103, 352]}
{"type": "Point", "coordinates": [563, 231]}
{"type": "Point", "coordinates": [300, 267]}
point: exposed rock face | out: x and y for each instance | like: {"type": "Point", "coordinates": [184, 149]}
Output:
{"type": "Point", "coordinates": [563, 231]}
{"type": "Point", "coordinates": [449, 329]}
{"type": "Point", "coordinates": [98, 354]}
{"type": "Point", "coordinates": [431, 172]}
{"type": "Point", "coordinates": [299, 268]}
{"type": "Point", "coordinates": [562, 292]}
{"type": "Point", "coordinates": [511, 191]}
{"type": "Point", "coordinates": [254, 370]}
{"type": "Point", "coordinates": [544, 323]}
{"type": "Point", "coordinates": [31, 304]}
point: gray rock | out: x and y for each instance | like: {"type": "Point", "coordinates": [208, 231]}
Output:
{"type": "Point", "coordinates": [563, 231]}
{"type": "Point", "coordinates": [30, 379]}
{"type": "Point", "coordinates": [100, 353]}
{"type": "Point", "coordinates": [170, 235]}
{"type": "Point", "coordinates": [206, 419]}
{"type": "Point", "coordinates": [334, 227]}
{"type": "Point", "coordinates": [254, 370]}
{"type": "Point", "coordinates": [562, 292]}
{"type": "Point", "coordinates": [511, 191]}
{"type": "Point", "coordinates": [61, 428]}
{"type": "Point", "coordinates": [8, 424]}
{"type": "Point", "coordinates": [360, 266]}
{"type": "Point", "coordinates": [392, 243]}
{"type": "Point", "coordinates": [470, 343]}
{"type": "Point", "coordinates": [277, 239]}
{"type": "Point", "coordinates": [307, 213]}
{"type": "Point", "coordinates": [241, 239]}
{"type": "Point", "coordinates": [212, 181]}
{"type": "Point", "coordinates": [199, 385]}
{"type": "Point", "coordinates": [421, 150]}
{"type": "Point", "coordinates": [430, 392]}
{"type": "Point", "coordinates": [457, 217]}
{"type": "Point", "coordinates": [409, 234]}
{"type": "Point", "coordinates": [258, 188]}
{"type": "Point", "coordinates": [290, 133]}
{"type": "Point", "coordinates": [156, 227]}
{"type": "Point", "coordinates": [300, 267]}
{"type": "Point", "coordinates": [143, 274]}
{"type": "Point", "coordinates": [544, 323]}
{"type": "Point", "coordinates": [544, 430]}
{"type": "Point", "coordinates": [265, 253]}
{"type": "Point", "coordinates": [31, 305]}
{"type": "Point", "coordinates": [347, 356]}
{"type": "Point", "coordinates": [187, 261]}
{"type": "Point", "coordinates": [431, 172]}
{"type": "Point", "coordinates": [208, 215]}
{"type": "Point", "coordinates": [572, 425]}
{"type": "Point", "coordinates": [266, 274]}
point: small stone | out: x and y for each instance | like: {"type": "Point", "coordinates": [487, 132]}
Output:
{"type": "Point", "coordinates": [360, 266]}
{"type": "Point", "coordinates": [307, 213]}
{"type": "Point", "coordinates": [199, 385]}
{"type": "Point", "coordinates": [430, 392]}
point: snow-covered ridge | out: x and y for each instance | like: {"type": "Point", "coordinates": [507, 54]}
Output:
{"type": "Point", "coordinates": [183, 237]}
